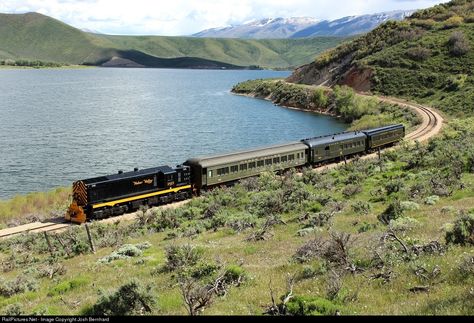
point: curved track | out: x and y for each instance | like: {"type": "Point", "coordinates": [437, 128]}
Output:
{"type": "Point", "coordinates": [431, 125]}
{"type": "Point", "coordinates": [431, 120]}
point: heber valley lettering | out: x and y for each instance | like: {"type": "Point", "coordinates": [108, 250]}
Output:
{"type": "Point", "coordinates": [145, 181]}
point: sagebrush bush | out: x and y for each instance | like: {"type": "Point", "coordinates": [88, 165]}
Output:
{"type": "Point", "coordinates": [351, 190]}
{"type": "Point", "coordinates": [462, 230]}
{"type": "Point", "coordinates": [310, 305]}
{"type": "Point", "coordinates": [458, 44]}
{"type": "Point", "coordinates": [129, 299]}
{"type": "Point", "coordinates": [19, 285]}
{"type": "Point", "coordinates": [404, 224]}
{"type": "Point", "coordinates": [126, 251]}
{"type": "Point", "coordinates": [178, 257]}
{"type": "Point", "coordinates": [393, 211]}
{"type": "Point", "coordinates": [466, 267]}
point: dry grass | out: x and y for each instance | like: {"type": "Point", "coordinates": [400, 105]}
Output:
{"type": "Point", "coordinates": [34, 206]}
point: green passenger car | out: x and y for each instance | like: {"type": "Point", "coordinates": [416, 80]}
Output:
{"type": "Point", "coordinates": [384, 136]}
{"type": "Point", "coordinates": [226, 168]}
{"type": "Point", "coordinates": [335, 146]}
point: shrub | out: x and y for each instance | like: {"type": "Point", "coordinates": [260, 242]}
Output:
{"type": "Point", "coordinates": [361, 207]}
{"type": "Point", "coordinates": [310, 250]}
{"type": "Point", "coordinates": [13, 310]}
{"type": "Point", "coordinates": [240, 221]}
{"type": "Point", "coordinates": [393, 211]}
{"type": "Point", "coordinates": [418, 53]}
{"type": "Point", "coordinates": [313, 206]}
{"type": "Point", "coordinates": [469, 18]}
{"type": "Point", "coordinates": [456, 82]}
{"type": "Point", "coordinates": [445, 210]}
{"type": "Point", "coordinates": [178, 257]}
{"type": "Point", "coordinates": [203, 270]}
{"type": "Point", "coordinates": [466, 267]}
{"type": "Point", "coordinates": [462, 231]}
{"type": "Point", "coordinates": [129, 299]}
{"type": "Point", "coordinates": [319, 219]}
{"type": "Point", "coordinates": [458, 44]}
{"type": "Point", "coordinates": [318, 268]}
{"type": "Point", "coordinates": [431, 200]}
{"type": "Point", "coordinates": [20, 284]}
{"type": "Point", "coordinates": [310, 305]}
{"type": "Point", "coordinates": [126, 251]}
{"type": "Point", "coordinates": [453, 22]}
{"type": "Point", "coordinates": [423, 23]}
{"type": "Point", "coordinates": [319, 98]}
{"type": "Point", "coordinates": [366, 227]}
{"type": "Point", "coordinates": [351, 190]}
{"type": "Point", "coordinates": [393, 186]}
{"type": "Point", "coordinates": [166, 219]}
{"type": "Point", "coordinates": [404, 224]}
{"type": "Point", "coordinates": [409, 206]}
{"type": "Point", "coordinates": [234, 274]}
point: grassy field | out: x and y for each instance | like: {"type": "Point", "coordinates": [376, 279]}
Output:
{"type": "Point", "coordinates": [389, 236]}
{"type": "Point", "coordinates": [34, 36]}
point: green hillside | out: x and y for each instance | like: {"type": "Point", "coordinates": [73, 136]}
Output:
{"type": "Point", "coordinates": [428, 57]}
{"type": "Point", "coordinates": [33, 36]}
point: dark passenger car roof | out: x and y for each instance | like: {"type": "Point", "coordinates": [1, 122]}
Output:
{"type": "Point", "coordinates": [324, 140]}
{"type": "Point", "coordinates": [375, 131]}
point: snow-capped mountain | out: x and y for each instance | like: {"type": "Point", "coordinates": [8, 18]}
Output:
{"type": "Point", "coordinates": [300, 27]}
{"type": "Point", "coordinates": [263, 28]}
{"type": "Point", "coordinates": [349, 26]}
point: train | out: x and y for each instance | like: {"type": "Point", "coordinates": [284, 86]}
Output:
{"type": "Point", "coordinates": [123, 192]}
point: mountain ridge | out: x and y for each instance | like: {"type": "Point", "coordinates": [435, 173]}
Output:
{"type": "Point", "coordinates": [302, 27]}
{"type": "Point", "coordinates": [33, 36]}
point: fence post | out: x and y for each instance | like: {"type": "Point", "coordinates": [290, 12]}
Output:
{"type": "Point", "coordinates": [90, 238]}
{"type": "Point", "coordinates": [49, 243]}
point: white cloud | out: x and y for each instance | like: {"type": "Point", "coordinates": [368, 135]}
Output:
{"type": "Point", "coordinates": [184, 17]}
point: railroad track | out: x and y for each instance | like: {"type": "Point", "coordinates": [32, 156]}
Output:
{"type": "Point", "coordinates": [34, 227]}
{"type": "Point", "coordinates": [431, 121]}
{"type": "Point", "coordinates": [431, 124]}
{"type": "Point", "coordinates": [59, 224]}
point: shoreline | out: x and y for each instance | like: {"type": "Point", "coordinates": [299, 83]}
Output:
{"type": "Point", "coordinates": [267, 98]}
{"type": "Point", "coordinates": [72, 67]}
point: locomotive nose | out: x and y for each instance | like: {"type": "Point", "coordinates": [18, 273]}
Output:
{"type": "Point", "coordinates": [75, 213]}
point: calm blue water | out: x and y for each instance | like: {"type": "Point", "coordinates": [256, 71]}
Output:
{"type": "Point", "coordinates": [58, 126]}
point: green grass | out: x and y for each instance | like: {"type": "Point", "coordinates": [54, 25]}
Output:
{"type": "Point", "coordinates": [34, 36]}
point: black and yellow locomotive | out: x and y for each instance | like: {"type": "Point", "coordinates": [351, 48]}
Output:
{"type": "Point", "coordinates": [105, 196]}
{"type": "Point", "coordinates": [116, 194]}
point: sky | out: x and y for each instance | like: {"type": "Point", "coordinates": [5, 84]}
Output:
{"type": "Point", "coordinates": [185, 17]}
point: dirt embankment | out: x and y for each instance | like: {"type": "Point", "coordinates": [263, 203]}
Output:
{"type": "Point", "coordinates": [340, 72]}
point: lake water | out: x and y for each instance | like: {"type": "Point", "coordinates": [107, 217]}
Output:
{"type": "Point", "coordinates": [58, 126]}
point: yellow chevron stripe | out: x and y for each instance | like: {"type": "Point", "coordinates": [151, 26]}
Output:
{"type": "Point", "coordinates": [133, 198]}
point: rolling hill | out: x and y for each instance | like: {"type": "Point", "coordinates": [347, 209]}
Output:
{"type": "Point", "coordinates": [33, 36]}
{"type": "Point", "coordinates": [428, 57]}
